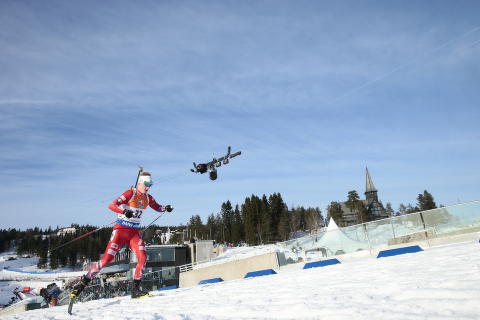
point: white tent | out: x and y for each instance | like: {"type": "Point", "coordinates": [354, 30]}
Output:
{"type": "Point", "coordinates": [331, 226]}
{"type": "Point", "coordinates": [333, 241]}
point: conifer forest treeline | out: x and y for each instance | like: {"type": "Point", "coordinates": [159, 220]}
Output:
{"type": "Point", "coordinates": [258, 220]}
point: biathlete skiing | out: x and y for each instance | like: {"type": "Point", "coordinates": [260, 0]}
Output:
{"type": "Point", "coordinates": [129, 207]}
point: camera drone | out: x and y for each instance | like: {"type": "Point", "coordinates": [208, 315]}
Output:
{"type": "Point", "coordinates": [212, 166]}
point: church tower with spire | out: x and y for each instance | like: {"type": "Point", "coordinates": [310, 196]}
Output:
{"type": "Point", "coordinates": [369, 209]}
{"type": "Point", "coordinates": [370, 191]}
{"type": "Point", "coordinates": [375, 209]}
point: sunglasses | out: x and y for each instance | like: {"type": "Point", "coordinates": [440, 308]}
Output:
{"type": "Point", "coordinates": [147, 184]}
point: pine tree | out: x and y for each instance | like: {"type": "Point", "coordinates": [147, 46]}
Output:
{"type": "Point", "coordinates": [238, 227]}
{"type": "Point", "coordinates": [313, 219]}
{"type": "Point", "coordinates": [335, 211]}
{"type": "Point", "coordinates": [43, 254]}
{"type": "Point", "coordinates": [53, 259]}
{"type": "Point", "coordinates": [353, 198]}
{"type": "Point", "coordinates": [402, 209]}
{"type": "Point", "coordinates": [356, 205]}
{"type": "Point", "coordinates": [250, 211]}
{"type": "Point", "coordinates": [425, 201]}
{"type": "Point", "coordinates": [249, 222]}
{"type": "Point", "coordinates": [7, 238]}
{"type": "Point", "coordinates": [265, 220]}
{"type": "Point", "coordinates": [411, 209]}
{"type": "Point", "coordinates": [227, 220]}
{"type": "Point", "coordinates": [73, 257]}
{"type": "Point", "coordinates": [196, 226]}
{"type": "Point", "coordinates": [212, 227]}
{"type": "Point", "coordinates": [277, 211]}
{"type": "Point", "coordinates": [257, 206]}
{"type": "Point", "coordinates": [284, 227]}
{"type": "Point", "coordinates": [389, 209]}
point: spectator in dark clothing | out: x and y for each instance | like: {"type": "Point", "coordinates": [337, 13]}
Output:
{"type": "Point", "coordinates": [50, 294]}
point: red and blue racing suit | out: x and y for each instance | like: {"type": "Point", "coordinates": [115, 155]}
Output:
{"type": "Point", "coordinates": [126, 230]}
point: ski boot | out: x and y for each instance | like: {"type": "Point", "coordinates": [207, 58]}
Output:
{"type": "Point", "coordinates": [138, 293]}
{"type": "Point", "coordinates": [78, 288]}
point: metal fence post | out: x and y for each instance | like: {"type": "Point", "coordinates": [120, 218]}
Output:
{"type": "Point", "coordinates": [368, 238]}
{"type": "Point", "coordinates": [425, 229]}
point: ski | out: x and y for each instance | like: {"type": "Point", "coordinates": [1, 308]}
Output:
{"type": "Point", "coordinates": [70, 305]}
{"type": "Point", "coordinates": [77, 289]}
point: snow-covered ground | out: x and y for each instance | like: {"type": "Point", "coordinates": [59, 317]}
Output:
{"type": "Point", "coordinates": [6, 287]}
{"type": "Point", "coordinates": [27, 264]}
{"type": "Point", "coordinates": [438, 283]}
{"type": "Point", "coordinates": [9, 280]}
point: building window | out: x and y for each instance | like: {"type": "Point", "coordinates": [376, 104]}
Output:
{"type": "Point", "coordinates": [157, 255]}
{"type": "Point", "coordinates": [161, 254]}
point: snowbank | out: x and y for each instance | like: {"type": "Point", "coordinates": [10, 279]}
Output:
{"type": "Point", "coordinates": [438, 283]}
{"type": "Point", "coordinates": [23, 272]}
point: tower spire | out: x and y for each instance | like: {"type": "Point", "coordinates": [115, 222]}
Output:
{"type": "Point", "coordinates": [369, 187]}
{"type": "Point", "coordinates": [374, 207]}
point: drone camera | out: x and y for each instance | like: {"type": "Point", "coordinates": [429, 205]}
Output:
{"type": "Point", "coordinates": [202, 168]}
{"type": "Point", "coordinates": [212, 166]}
{"type": "Point", "coordinates": [213, 175]}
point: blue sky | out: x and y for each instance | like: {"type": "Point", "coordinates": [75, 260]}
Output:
{"type": "Point", "coordinates": [311, 92]}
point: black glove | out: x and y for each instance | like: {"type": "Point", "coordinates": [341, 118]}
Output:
{"type": "Point", "coordinates": [168, 208]}
{"type": "Point", "coordinates": [128, 213]}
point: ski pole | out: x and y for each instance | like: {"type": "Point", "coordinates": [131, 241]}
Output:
{"type": "Point", "coordinates": [140, 170]}
{"type": "Point", "coordinates": [159, 216]}
{"type": "Point", "coordinates": [82, 236]}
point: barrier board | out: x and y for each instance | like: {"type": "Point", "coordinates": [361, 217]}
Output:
{"type": "Point", "coordinates": [260, 273]}
{"type": "Point", "coordinates": [213, 280]}
{"type": "Point", "coordinates": [322, 263]}
{"type": "Point", "coordinates": [398, 251]}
